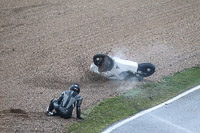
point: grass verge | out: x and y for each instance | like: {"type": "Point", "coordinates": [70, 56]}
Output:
{"type": "Point", "coordinates": [136, 100]}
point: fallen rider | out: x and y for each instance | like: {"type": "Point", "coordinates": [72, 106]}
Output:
{"type": "Point", "coordinates": [64, 105]}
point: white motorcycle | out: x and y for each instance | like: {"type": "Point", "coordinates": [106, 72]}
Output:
{"type": "Point", "coordinates": [116, 68]}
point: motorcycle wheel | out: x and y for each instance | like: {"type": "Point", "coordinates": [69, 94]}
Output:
{"type": "Point", "coordinates": [146, 69]}
{"type": "Point", "coordinates": [104, 62]}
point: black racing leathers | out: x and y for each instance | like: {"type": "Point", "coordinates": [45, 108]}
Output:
{"type": "Point", "coordinates": [65, 104]}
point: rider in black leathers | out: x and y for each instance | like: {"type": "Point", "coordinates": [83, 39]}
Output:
{"type": "Point", "coordinates": [65, 104]}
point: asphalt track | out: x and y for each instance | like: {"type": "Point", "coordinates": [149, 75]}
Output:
{"type": "Point", "coordinates": [178, 115]}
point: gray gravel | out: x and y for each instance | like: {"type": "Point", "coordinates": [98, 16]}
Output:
{"type": "Point", "coordinates": [47, 45]}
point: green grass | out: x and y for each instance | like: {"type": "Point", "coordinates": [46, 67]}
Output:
{"type": "Point", "coordinates": [135, 100]}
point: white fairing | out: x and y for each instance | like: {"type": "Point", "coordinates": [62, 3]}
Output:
{"type": "Point", "coordinates": [120, 66]}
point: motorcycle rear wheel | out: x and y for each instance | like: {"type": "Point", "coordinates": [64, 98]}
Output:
{"type": "Point", "coordinates": [145, 69]}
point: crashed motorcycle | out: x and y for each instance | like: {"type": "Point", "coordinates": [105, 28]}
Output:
{"type": "Point", "coordinates": [116, 68]}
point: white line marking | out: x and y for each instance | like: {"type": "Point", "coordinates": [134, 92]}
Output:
{"type": "Point", "coordinates": [108, 130]}
{"type": "Point", "coordinates": [172, 124]}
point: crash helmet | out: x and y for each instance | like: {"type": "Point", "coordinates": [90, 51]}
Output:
{"type": "Point", "coordinates": [75, 87]}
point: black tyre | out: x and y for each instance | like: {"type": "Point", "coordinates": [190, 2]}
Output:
{"type": "Point", "coordinates": [146, 69]}
{"type": "Point", "coordinates": [98, 59]}
{"type": "Point", "coordinates": [103, 61]}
